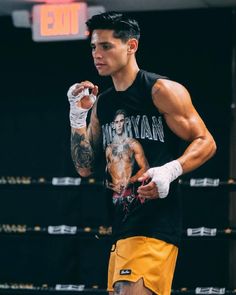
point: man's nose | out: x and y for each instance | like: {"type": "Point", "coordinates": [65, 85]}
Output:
{"type": "Point", "coordinates": [97, 53]}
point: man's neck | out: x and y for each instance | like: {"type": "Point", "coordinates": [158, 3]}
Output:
{"type": "Point", "coordinates": [120, 138]}
{"type": "Point", "coordinates": [125, 78]}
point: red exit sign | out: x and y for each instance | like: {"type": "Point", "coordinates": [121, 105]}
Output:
{"type": "Point", "coordinates": [59, 22]}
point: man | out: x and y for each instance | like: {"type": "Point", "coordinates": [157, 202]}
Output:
{"type": "Point", "coordinates": [121, 156]}
{"type": "Point", "coordinates": [159, 113]}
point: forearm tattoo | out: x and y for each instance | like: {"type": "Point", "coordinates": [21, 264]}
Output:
{"type": "Point", "coordinates": [81, 151]}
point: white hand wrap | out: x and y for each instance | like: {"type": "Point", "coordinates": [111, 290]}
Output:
{"type": "Point", "coordinates": [164, 175]}
{"type": "Point", "coordinates": [78, 115]}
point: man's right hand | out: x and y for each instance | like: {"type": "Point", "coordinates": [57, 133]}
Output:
{"type": "Point", "coordinates": [82, 97]}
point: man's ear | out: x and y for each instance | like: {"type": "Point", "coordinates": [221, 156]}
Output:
{"type": "Point", "coordinates": [132, 45]}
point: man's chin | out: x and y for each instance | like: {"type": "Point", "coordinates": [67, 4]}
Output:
{"type": "Point", "coordinates": [103, 74]}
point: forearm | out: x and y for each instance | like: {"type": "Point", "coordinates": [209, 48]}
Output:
{"type": "Point", "coordinates": [82, 97]}
{"type": "Point", "coordinates": [197, 153]}
{"type": "Point", "coordinates": [135, 177]}
{"type": "Point", "coordinates": [82, 152]}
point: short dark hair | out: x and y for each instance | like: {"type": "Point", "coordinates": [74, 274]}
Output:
{"type": "Point", "coordinates": [120, 112]}
{"type": "Point", "coordinates": [124, 27]}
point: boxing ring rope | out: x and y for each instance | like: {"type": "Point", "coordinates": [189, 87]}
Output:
{"type": "Point", "coordinates": [7, 288]}
{"type": "Point", "coordinates": [44, 181]}
{"type": "Point", "coordinates": [229, 184]}
{"type": "Point", "coordinates": [105, 231]}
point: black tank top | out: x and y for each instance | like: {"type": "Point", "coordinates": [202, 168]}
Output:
{"type": "Point", "coordinates": [136, 137]}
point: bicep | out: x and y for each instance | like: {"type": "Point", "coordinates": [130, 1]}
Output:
{"type": "Point", "coordinates": [174, 101]}
{"type": "Point", "coordinates": [139, 154]}
{"type": "Point", "coordinates": [187, 126]}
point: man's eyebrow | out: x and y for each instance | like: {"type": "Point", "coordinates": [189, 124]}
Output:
{"type": "Point", "coordinates": [101, 43]}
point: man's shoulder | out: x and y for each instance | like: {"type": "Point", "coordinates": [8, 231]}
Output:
{"type": "Point", "coordinates": [148, 79]}
{"type": "Point", "coordinates": [151, 75]}
{"type": "Point", "coordinates": [132, 142]}
{"type": "Point", "coordinates": [167, 86]}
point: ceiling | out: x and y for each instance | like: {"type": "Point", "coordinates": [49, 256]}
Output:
{"type": "Point", "coordinates": [8, 6]}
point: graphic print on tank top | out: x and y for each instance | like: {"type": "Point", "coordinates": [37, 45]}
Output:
{"type": "Point", "coordinates": [125, 163]}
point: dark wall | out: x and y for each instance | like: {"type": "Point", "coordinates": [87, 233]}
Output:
{"type": "Point", "coordinates": [192, 47]}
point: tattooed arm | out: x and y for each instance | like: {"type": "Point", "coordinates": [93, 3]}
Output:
{"type": "Point", "coordinates": [85, 144]}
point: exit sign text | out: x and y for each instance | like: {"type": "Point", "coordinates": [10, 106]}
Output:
{"type": "Point", "coordinates": [59, 22]}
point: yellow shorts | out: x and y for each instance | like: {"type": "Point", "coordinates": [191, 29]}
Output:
{"type": "Point", "coordinates": [141, 257]}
